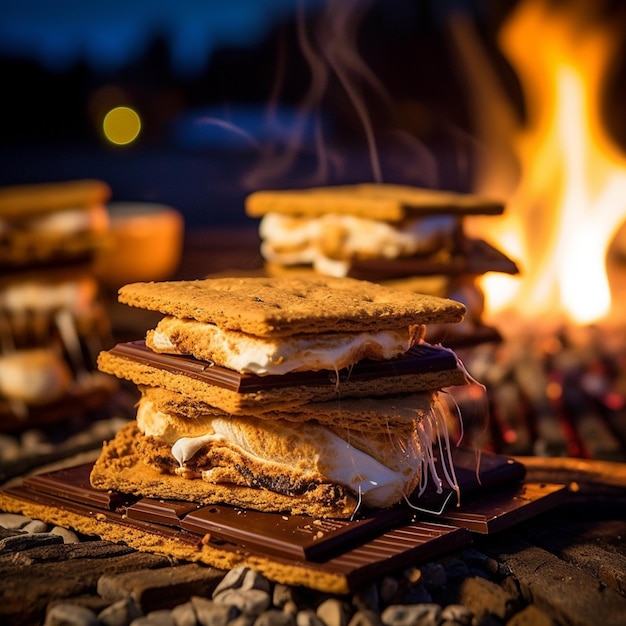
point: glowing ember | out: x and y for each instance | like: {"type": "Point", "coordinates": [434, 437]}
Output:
{"type": "Point", "coordinates": [571, 196]}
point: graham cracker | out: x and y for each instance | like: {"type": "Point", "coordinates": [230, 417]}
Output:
{"type": "Point", "coordinates": [376, 415]}
{"type": "Point", "coordinates": [289, 305]}
{"type": "Point", "coordinates": [21, 201]}
{"type": "Point", "coordinates": [263, 399]}
{"type": "Point", "coordinates": [379, 201]}
{"type": "Point", "coordinates": [121, 468]}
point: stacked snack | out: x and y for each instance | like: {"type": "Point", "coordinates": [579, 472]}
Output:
{"type": "Point", "coordinates": [307, 395]}
{"type": "Point", "coordinates": [52, 323]}
{"type": "Point", "coordinates": [402, 236]}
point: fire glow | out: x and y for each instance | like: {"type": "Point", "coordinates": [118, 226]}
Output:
{"type": "Point", "coordinates": [571, 196]}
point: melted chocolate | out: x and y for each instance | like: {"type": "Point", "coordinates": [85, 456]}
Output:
{"type": "Point", "coordinates": [420, 359]}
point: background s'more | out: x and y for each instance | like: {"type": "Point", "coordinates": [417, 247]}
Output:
{"type": "Point", "coordinates": [304, 395]}
{"type": "Point", "coordinates": [403, 236]}
{"type": "Point", "coordinates": [52, 319]}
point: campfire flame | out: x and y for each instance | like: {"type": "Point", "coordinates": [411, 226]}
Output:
{"type": "Point", "coordinates": [570, 198]}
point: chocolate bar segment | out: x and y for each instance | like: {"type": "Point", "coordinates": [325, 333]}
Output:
{"type": "Point", "coordinates": [73, 484]}
{"type": "Point", "coordinates": [505, 508]}
{"type": "Point", "coordinates": [296, 536]}
{"type": "Point", "coordinates": [420, 359]}
{"type": "Point", "coordinates": [168, 512]}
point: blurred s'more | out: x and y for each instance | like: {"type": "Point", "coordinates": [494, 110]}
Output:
{"type": "Point", "coordinates": [52, 321]}
{"type": "Point", "coordinates": [401, 236]}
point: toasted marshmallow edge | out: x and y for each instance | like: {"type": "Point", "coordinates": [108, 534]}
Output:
{"type": "Point", "coordinates": [72, 221]}
{"type": "Point", "coordinates": [262, 356]}
{"type": "Point", "coordinates": [77, 296]}
{"type": "Point", "coordinates": [299, 239]}
{"type": "Point", "coordinates": [315, 452]}
{"type": "Point", "coordinates": [36, 376]}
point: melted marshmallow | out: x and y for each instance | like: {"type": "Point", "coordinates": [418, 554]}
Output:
{"type": "Point", "coordinates": [245, 353]}
{"type": "Point", "coordinates": [339, 461]}
{"type": "Point", "coordinates": [299, 240]}
{"type": "Point", "coordinates": [77, 296]}
{"type": "Point", "coordinates": [35, 376]}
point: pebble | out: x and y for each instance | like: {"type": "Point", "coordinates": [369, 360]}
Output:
{"type": "Point", "coordinates": [411, 615]}
{"type": "Point", "coordinates": [155, 618]}
{"type": "Point", "coordinates": [70, 615]}
{"type": "Point", "coordinates": [333, 612]}
{"type": "Point", "coordinates": [275, 617]}
{"type": "Point", "coordinates": [457, 614]}
{"type": "Point", "coordinates": [245, 589]}
{"type": "Point", "coordinates": [365, 617]}
{"type": "Point", "coordinates": [211, 613]}
{"type": "Point", "coordinates": [69, 536]}
{"type": "Point", "coordinates": [35, 526]}
{"type": "Point", "coordinates": [120, 613]}
{"type": "Point", "coordinates": [184, 615]}
{"type": "Point", "coordinates": [308, 617]}
{"type": "Point", "coordinates": [13, 521]}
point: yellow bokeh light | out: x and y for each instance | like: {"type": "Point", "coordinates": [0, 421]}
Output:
{"type": "Point", "coordinates": [121, 125]}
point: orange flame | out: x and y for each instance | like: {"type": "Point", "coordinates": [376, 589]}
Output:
{"type": "Point", "coordinates": [571, 195]}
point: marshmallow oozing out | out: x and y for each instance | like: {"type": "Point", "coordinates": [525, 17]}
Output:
{"type": "Point", "coordinates": [262, 356]}
{"type": "Point", "coordinates": [380, 472]}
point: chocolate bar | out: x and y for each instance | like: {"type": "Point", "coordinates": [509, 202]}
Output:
{"type": "Point", "coordinates": [420, 359]}
{"type": "Point", "coordinates": [344, 568]}
{"type": "Point", "coordinates": [328, 555]}
{"type": "Point", "coordinates": [296, 536]}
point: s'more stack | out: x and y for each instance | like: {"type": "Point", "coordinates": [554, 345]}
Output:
{"type": "Point", "coordinates": [407, 237]}
{"type": "Point", "coordinates": [295, 394]}
{"type": "Point", "coordinates": [52, 323]}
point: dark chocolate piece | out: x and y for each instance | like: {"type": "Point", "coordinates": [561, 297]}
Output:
{"type": "Point", "coordinates": [73, 484]}
{"type": "Point", "coordinates": [476, 472]}
{"type": "Point", "coordinates": [498, 510]}
{"type": "Point", "coordinates": [420, 359]}
{"type": "Point", "coordinates": [374, 557]}
{"type": "Point", "coordinates": [477, 257]}
{"type": "Point", "coordinates": [296, 536]}
{"type": "Point", "coordinates": [169, 512]}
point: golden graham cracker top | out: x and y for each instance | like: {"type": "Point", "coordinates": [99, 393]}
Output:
{"type": "Point", "coordinates": [289, 305]}
{"type": "Point", "coordinates": [377, 201]}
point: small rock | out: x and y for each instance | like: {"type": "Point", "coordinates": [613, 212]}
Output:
{"type": "Point", "coordinates": [242, 578]}
{"type": "Point", "coordinates": [70, 615]}
{"type": "Point", "coordinates": [245, 589]}
{"type": "Point", "coordinates": [13, 521]}
{"type": "Point", "coordinates": [275, 617]}
{"type": "Point", "coordinates": [483, 596]}
{"type": "Point", "coordinates": [210, 613]}
{"type": "Point", "coordinates": [120, 613]}
{"type": "Point", "coordinates": [35, 526]}
{"type": "Point", "coordinates": [290, 607]}
{"type": "Point", "coordinates": [69, 536]}
{"type": "Point", "coordinates": [333, 612]}
{"type": "Point", "coordinates": [250, 601]}
{"type": "Point", "coordinates": [411, 615]}
{"type": "Point", "coordinates": [281, 595]}
{"type": "Point", "coordinates": [184, 615]}
{"type": "Point", "coordinates": [365, 617]}
{"type": "Point", "coordinates": [162, 617]}
{"type": "Point", "coordinates": [456, 614]}
{"type": "Point", "coordinates": [308, 617]}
